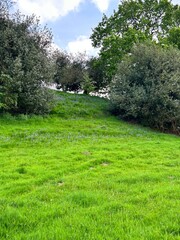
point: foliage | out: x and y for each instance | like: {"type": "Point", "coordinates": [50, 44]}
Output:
{"type": "Point", "coordinates": [96, 70]}
{"type": "Point", "coordinates": [174, 37]}
{"type": "Point", "coordinates": [147, 87]}
{"type": "Point", "coordinates": [62, 63]}
{"type": "Point", "coordinates": [87, 83]}
{"type": "Point", "coordinates": [69, 71]}
{"type": "Point", "coordinates": [133, 22]}
{"type": "Point", "coordinates": [25, 68]}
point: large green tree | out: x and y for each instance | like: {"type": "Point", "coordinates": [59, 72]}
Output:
{"type": "Point", "coordinates": [134, 21]}
{"type": "Point", "coordinates": [25, 68]}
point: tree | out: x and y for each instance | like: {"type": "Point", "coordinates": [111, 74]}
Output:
{"type": "Point", "coordinates": [87, 83]}
{"type": "Point", "coordinates": [69, 71]}
{"type": "Point", "coordinates": [25, 67]}
{"type": "Point", "coordinates": [96, 72]}
{"type": "Point", "coordinates": [62, 63]}
{"type": "Point", "coordinates": [146, 87]}
{"type": "Point", "coordinates": [134, 21]}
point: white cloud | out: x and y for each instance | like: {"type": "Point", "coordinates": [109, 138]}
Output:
{"type": "Point", "coordinates": [102, 5]}
{"type": "Point", "coordinates": [48, 10]}
{"type": "Point", "coordinates": [51, 10]}
{"type": "Point", "coordinates": [82, 45]}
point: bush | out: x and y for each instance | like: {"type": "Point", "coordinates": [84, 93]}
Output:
{"type": "Point", "coordinates": [25, 66]}
{"type": "Point", "coordinates": [146, 87]}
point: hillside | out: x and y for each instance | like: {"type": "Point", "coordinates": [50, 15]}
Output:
{"type": "Point", "coordinates": [81, 173]}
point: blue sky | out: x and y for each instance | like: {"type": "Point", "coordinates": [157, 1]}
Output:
{"type": "Point", "coordinates": [78, 24]}
{"type": "Point", "coordinates": [71, 21]}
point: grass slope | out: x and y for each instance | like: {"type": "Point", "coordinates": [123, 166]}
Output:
{"type": "Point", "coordinates": [82, 174]}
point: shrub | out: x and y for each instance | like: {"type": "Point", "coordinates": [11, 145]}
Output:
{"type": "Point", "coordinates": [146, 87]}
{"type": "Point", "coordinates": [25, 66]}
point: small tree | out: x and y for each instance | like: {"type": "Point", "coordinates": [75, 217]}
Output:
{"type": "Point", "coordinates": [25, 67]}
{"type": "Point", "coordinates": [96, 70]}
{"type": "Point", "coordinates": [69, 71]}
{"type": "Point", "coordinates": [146, 87]}
{"type": "Point", "coordinates": [87, 84]}
{"type": "Point", "coordinates": [62, 62]}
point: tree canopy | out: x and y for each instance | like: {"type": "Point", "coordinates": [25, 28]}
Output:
{"type": "Point", "coordinates": [134, 21]}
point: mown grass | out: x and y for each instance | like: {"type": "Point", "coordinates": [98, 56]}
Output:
{"type": "Point", "coordinates": [80, 173]}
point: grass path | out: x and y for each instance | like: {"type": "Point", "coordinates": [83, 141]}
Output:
{"type": "Point", "coordinates": [83, 174]}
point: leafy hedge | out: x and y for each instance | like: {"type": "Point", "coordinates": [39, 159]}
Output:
{"type": "Point", "coordinates": [146, 87]}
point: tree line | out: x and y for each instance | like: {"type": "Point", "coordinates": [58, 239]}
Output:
{"type": "Point", "coordinates": [138, 62]}
{"type": "Point", "coordinates": [140, 51]}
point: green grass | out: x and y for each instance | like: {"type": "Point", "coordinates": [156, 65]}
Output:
{"type": "Point", "coordinates": [80, 173]}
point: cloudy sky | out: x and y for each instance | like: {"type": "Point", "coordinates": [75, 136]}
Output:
{"type": "Point", "coordinates": [71, 21]}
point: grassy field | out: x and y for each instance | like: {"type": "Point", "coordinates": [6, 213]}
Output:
{"type": "Point", "coordinates": [82, 174]}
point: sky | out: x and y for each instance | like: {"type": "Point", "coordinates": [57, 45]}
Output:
{"type": "Point", "coordinates": [71, 21]}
